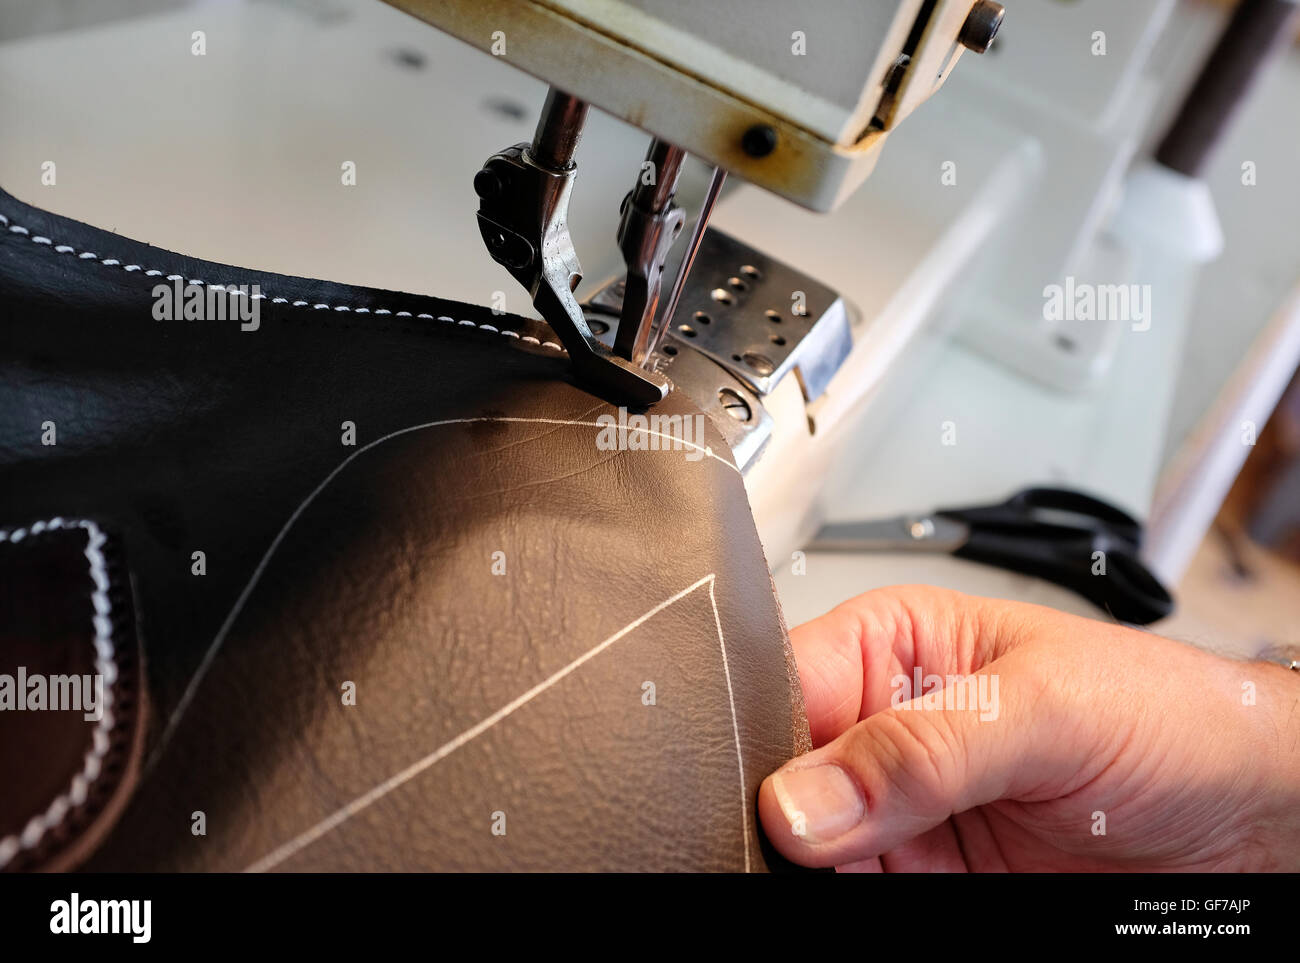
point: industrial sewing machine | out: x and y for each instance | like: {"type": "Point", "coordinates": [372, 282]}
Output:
{"type": "Point", "coordinates": [729, 84]}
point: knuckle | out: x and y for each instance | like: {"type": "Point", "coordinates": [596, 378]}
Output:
{"type": "Point", "coordinates": [910, 756]}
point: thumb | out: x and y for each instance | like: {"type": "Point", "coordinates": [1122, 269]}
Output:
{"type": "Point", "coordinates": [904, 770]}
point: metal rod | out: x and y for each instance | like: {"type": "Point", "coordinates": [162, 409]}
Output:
{"type": "Point", "coordinates": [1255, 34]}
{"type": "Point", "coordinates": [645, 234]}
{"type": "Point", "coordinates": [688, 259]}
{"type": "Point", "coordinates": [666, 162]}
{"type": "Point", "coordinates": [558, 130]}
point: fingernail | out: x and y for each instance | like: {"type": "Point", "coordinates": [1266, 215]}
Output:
{"type": "Point", "coordinates": [821, 803]}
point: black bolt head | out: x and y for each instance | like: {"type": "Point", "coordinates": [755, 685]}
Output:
{"type": "Point", "coordinates": [487, 184]}
{"type": "Point", "coordinates": [759, 140]}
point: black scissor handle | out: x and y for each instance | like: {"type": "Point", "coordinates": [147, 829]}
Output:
{"type": "Point", "coordinates": [1115, 580]}
{"type": "Point", "coordinates": [1115, 520]}
{"type": "Point", "coordinates": [1072, 539]}
{"type": "Point", "coordinates": [1052, 512]}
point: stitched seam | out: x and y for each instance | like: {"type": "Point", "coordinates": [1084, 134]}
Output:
{"type": "Point", "coordinates": [105, 665]}
{"type": "Point", "coordinates": [235, 292]}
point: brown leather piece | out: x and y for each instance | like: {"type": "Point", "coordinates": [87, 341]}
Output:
{"type": "Point", "coordinates": [386, 580]}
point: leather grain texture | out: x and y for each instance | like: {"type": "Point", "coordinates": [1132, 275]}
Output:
{"type": "Point", "coordinates": [432, 609]}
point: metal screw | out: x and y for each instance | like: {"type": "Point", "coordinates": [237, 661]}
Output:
{"type": "Point", "coordinates": [734, 405]}
{"type": "Point", "coordinates": [981, 26]}
{"type": "Point", "coordinates": [761, 363]}
{"type": "Point", "coordinates": [921, 529]}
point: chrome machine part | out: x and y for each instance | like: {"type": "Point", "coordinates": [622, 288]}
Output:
{"type": "Point", "coordinates": [711, 194]}
{"type": "Point", "coordinates": [760, 318]}
{"type": "Point", "coordinates": [733, 407]}
{"type": "Point", "coordinates": [650, 224]}
{"type": "Point", "coordinates": [729, 370]}
{"type": "Point", "coordinates": [523, 215]}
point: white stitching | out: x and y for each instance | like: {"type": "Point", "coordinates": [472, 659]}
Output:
{"type": "Point", "coordinates": [105, 666]}
{"type": "Point", "coordinates": [113, 262]}
{"type": "Point", "coordinates": [735, 723]}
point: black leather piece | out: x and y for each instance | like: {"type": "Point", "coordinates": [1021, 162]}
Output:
{"type": "Point", "coordinates": [373, 564]}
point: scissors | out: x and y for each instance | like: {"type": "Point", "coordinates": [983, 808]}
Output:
{"type": "Point", "coordinates": [1066, 537]}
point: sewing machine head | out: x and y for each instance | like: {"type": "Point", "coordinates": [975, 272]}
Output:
{"type": "Point", "coordinates": [795, 99]}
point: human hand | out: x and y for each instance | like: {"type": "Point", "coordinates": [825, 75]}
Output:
{"type": "Point", "coordinates": [1096, 747]}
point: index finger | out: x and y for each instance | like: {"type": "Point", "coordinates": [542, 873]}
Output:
{"type": "Point", "coordinates": [848, 657]}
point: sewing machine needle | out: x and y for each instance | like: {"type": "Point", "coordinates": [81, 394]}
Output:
{"type": "Point", "coordinates": [697, 235]}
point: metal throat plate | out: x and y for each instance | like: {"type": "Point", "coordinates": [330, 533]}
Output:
{"type": "Point", "coordinates": [760, 318]}
{"type": "Point", "coordinates": [764, 320]}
